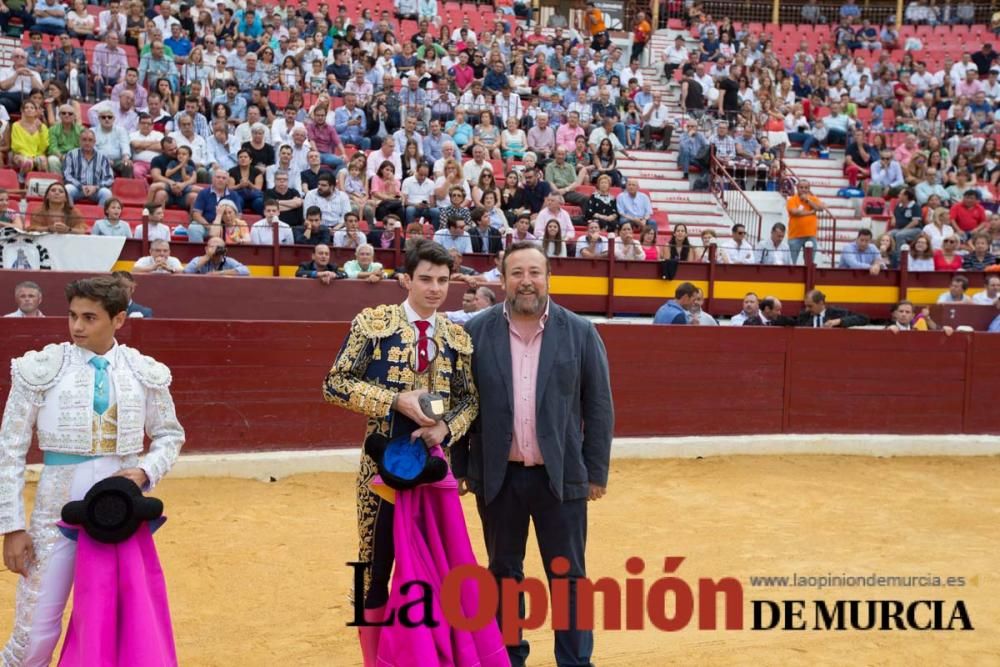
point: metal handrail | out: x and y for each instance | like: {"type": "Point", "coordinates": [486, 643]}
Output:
{"type": "Point", "coordinates": [743, 212]}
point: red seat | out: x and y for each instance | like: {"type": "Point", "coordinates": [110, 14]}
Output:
{"type": "Point", "coordinates": [131, 191]}
{"type": "Point", "coordinates": [662, 221]}
{"type": "Point", "coordinates": [8, 180]}
{"type": "Point", "coordinates": [85, 113]}
{"type": "Point", "coordinates": [279, 98]}
{"type": "Point", "coordinates": [90, 212]}
{"type": "Point", "coordinates": [873, 203]}
{"type": "Point", "coordinates": [174, 217]}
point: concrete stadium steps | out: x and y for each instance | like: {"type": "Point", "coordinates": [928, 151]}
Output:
{"type": "Point", "coordinates": [659, 176]}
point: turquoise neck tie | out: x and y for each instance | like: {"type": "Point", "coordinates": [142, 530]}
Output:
{"type": "Point", "coordinates": [102, 389]}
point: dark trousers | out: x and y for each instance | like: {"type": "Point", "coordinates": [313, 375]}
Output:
{"type": "Point", "coordinates": [383, 554]}
{"type": "Point", "coordinates": [666, 132]}
{"type": "Point", "coordinates": [27, 20]}
{"type": "Point", "coordinates": [560, 529]}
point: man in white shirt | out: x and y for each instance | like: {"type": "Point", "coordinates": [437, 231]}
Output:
{"type": "Point", "coordinates": [157, 229]}
{"type": "Point", "coordinates": [707, 83]}
{"type": "Point", "coordinates": [111, 18]}
{"type": "Point", "coordinates": [861, 92]}
{"type": "Point", "coordinates": [922, 80]}
{"type": "Point", "coordinates": [592, 245]}
{"type": "Point", "coordinates": [262, 231]}
{"type": "Point", "coordinates": [992, 87]}
{"type": "Point", "coordinates": [956, 291]}
{"type": "Point", "coordinates": [418, 196]}
{"type": "Point", "coordinates": [28, 296]}
{"type": "Point", "coordinates": [474, 301]}
{"type": "Point", "coordinates": [186, 136]}
{"type": "Point", "coordinates": [656, 118]}
{"type": "Point", "coordinates": [165, 18]}
{"type": "Point", "coordinates": [242, 134]}
{"type": "Point", "coordinates": [988, 297]}
{"type": "Point", "coordinates": [456, 34]}
{"type": "Point", "coordinates": [281, 128]}
{"type": "Point", "coordinates": [454, 236]}
{"type": "Point", "coordinates": [17, 81]}
{"type": "Point", "coordinates": [474, 167]}
{"type": "Point", "coordinates": [159, 260]}
{"type": "Point", "coordinates": [751, 309]}
{"type": "Point", "coordinates": [674, 56]}
{"type": "Point", "coordinates": [507, 105]}
{"type": "Point", "coordinates": [448, 152]}
{"type": "Point", "coordinates": [145, 143]}
{"type": "Point", "coordinates": [350, 236]}
{"type": "Point", "coordinates": [774, 250]}
{"type": "Point", "coordinates": [959, 72]}
{"type": "Point", "coordinates": [740, 250]}
{"type": "Point", "coordinates": [495, 274]}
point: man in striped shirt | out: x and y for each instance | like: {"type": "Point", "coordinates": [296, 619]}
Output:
{"type": "Point", "coordinates": [87, 173]}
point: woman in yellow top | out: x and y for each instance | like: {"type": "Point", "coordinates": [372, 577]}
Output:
{"type": "Point", "coordinates": [29, 141]}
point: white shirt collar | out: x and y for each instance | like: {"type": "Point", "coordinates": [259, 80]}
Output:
{"type": "Point", "coordinates": [87, 355]}
{"type": "Point", "coordinates": [412, 317]}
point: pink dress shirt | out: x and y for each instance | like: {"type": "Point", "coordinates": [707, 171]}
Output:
{"type": "Point", "coordinates": [562, 217]}
{"type": "Point", "coordinates": [524, 355]}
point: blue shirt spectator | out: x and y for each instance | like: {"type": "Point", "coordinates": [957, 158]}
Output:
{"type": "Point", "coordinates": [849, 10]}
{"type": "Point", "coordinates": [461, 243]}
{"type": "Point", "coordinates": [859, 255]}
{"type": "Point", "coordinates": [496, 79]}
{"type": "Point", "coordinates": [671, 313]}
{"type": "Point", "coordinates": [634, 206]}
{"type": "Point", "coordinates": [237, 104]}
{"type": "Point", "coordinates": [208, 201]}
{"type": "Point", "coordinates": [51, 24]}
{"type": "Point", "coordinates": [200, 267]}
{"type": "Point", "coordinates": [351, 134]}
{"type": "Point", "coordinates": [179, 43]}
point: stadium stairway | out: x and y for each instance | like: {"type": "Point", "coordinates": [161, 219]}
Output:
{"type": "Point", "coordinates": [699, 210]}
{"type": "Point", "coordinates": [658, 173]}
{"type": "Point", "coordinates": [827, 178]}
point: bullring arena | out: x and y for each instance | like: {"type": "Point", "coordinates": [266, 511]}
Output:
{"type": "Point", "coordinates": [813, 465]}
{"type": "Point", "coordinates": [256, 572]}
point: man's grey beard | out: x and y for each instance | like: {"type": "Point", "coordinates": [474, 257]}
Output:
{"type": "Point", "coordinates": [536, 306]}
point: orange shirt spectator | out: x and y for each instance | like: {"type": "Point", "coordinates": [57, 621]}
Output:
{"type": "Point", "coordinates": [642, 30]}
{"type": "Point", "coordinates": [595, 20]}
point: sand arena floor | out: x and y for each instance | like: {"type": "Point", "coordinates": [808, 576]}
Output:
{"type": "Point", "coordinates": [256, 571]}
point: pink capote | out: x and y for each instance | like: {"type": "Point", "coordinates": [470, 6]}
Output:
{"type": "Point", "coordinates": [430, 539]}
{"type": "Point", "coordinates": [120, 613]}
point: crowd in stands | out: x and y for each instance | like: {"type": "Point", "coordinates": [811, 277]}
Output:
{"type": "Point", "coordinates": [259, 121]}
{"type": "Point", "coordinates": [466, 130]}
{"type": "Point", "coordinates": [919, 125]}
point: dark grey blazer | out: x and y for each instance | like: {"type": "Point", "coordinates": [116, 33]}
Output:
{"type": "Point", "coordinates": [573, 412]}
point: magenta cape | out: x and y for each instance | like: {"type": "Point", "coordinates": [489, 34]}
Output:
{"type": "Point", "coordinates": [430, 539]}
{"type": "Point", "coordinates": [120, 614]}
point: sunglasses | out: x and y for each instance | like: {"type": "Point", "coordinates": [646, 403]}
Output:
{"type": "Point", "coordinates": [103, 117]}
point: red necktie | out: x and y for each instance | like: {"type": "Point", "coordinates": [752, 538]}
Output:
{"type": "Point", "coordinates": [422, 360]}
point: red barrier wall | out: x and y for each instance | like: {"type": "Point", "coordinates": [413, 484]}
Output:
{"type": "Point", "coordinates": [256, 385]}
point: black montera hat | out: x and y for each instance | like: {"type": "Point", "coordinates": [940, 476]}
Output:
{"type": "Point", "coordinates": [112, 510]}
